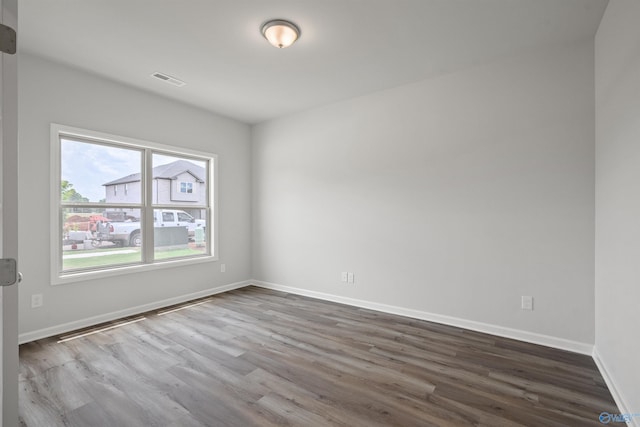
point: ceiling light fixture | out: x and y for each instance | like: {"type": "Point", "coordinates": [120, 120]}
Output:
{"type": "Point", "coordinates": [280, 33]}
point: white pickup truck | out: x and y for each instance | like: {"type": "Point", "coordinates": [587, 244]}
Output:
{"type": "Point", "coordinates": [127, 233]}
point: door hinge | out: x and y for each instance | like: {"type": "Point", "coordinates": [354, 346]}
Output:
{"type": "Point", "coordinates": [7, 39]}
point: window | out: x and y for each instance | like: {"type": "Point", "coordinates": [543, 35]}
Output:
{"type": "Point", "coordinates": [186, 187]}
{"type": "Point", "coordinates": [100, 231]}
{"type": "Point", "coordinates": [183, 217]}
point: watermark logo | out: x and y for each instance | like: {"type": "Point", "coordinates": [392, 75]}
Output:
{"type": "Point", "coordinates": [606, 418]}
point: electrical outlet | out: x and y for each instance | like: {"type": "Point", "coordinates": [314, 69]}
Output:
{"type": "Point", "coordinates": [223, 268]}
{"type": "Point", "coordinates": [527, 303]}
{"type": "Point", "coordinates": [345, 276]}
{"type": "Point", "coordinates": [36, 300]}
{"type": "Point", "coordinates": [350, 278]}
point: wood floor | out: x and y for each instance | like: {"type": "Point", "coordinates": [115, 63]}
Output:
{"type": "Point", "coordinates": [254, 357]}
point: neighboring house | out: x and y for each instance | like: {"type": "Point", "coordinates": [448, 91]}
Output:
{"type": "Point", "coordinates": [177, 183]}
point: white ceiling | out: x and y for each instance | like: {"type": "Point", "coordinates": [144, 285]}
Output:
{"type": "Point", "coordinates": [347, 48]}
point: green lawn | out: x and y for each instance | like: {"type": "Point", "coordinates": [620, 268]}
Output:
{"type": "Point", "coordinates": [117, 258]}
{"type": "Point", "coordinates": [175, 253]}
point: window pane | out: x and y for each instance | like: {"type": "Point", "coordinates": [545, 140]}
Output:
{"type": "Point", "coordinates": [99, 173]}
{"type": "Point", "coordinates": [179, 181]}
{"type": "Point", "coordinates": [183, 236]}
{"type": "Point", "coordinates": [98, 238]}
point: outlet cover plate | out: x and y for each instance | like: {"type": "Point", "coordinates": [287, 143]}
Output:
{"type": "Point", "coordinates": [527, 302]}
{"type": "Point", "coordinates": [36, 300]}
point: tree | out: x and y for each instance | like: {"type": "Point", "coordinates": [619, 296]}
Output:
{"type": "Point", "coordinates": [69, 194]}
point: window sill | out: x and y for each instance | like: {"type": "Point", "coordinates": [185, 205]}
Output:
{"type": "Point", "coordinates": [83, 276]}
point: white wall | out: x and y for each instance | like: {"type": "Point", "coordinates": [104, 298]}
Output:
{"type": "Point", "coordinates": [48, 93]}
{"type": "Point", "coordinates": [618, 199]}
{"type": "Point", "coordinates": [455, 195]}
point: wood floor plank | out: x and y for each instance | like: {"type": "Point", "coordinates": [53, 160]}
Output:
{"type": "Point", "coordinates": [256, 357]}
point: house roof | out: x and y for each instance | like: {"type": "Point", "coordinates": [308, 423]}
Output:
{"type": "Point", "coordinates": [168, 171]}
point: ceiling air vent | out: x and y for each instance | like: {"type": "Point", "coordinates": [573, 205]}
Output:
{"type": "Point", "coordinates": [168, 79]}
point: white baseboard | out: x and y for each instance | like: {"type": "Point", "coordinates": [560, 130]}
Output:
{"type": "Point", "coordinates": [615, 391]}
{"type": "Point", "coordinates": [107, 317]}
{"type": "Point", "coordinates": [532, 337]}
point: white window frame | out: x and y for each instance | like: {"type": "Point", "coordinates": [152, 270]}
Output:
{"type": "Point", "coordinates": [187, 185]}
{"type": "Point", "coordinates": [148, 263]}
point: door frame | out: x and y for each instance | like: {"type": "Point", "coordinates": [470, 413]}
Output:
{"type": "Point", "coordinates": [9, 222]}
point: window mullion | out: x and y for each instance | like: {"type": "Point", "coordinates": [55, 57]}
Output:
{"type": "Point", "coordinates": [148, 225]}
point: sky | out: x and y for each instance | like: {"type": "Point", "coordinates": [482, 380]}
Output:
{"type": "Point", "coordinates": [88, 166]}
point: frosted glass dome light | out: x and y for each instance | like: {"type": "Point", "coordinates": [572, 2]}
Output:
{"type": "Point", "coordinates": [280, 33]}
